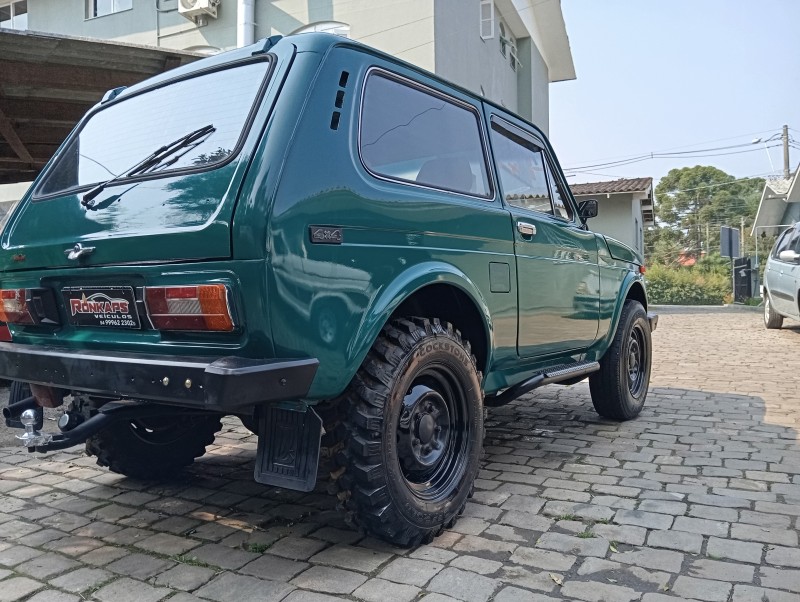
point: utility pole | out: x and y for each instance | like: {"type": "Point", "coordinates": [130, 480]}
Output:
{"type": "Point", "coordinates": [785, 138]}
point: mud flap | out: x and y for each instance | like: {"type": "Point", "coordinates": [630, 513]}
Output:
{"type": "Point", "coordinates": [288, 446]}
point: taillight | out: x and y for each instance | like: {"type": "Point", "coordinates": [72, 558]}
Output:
{"type": "Point", "coordinates": [5, 334]}
{"type": "Point", "coordinates": [13, 307]}
{"type": "Point", "coordinates": [201, 307]}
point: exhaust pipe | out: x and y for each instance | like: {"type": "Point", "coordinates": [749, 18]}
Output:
{"type": "Point", "coordinates": [13, 411]}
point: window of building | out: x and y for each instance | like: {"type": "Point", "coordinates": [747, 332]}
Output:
{"type": "Point", "coordinates": [99, 8]}
{"type": "Point", "coordinates": [487, 19]}
{"type": "Point", "coordinates": [508, 44]}
{"type": "Point", "coordinates": [14, 15]}
{"type": "Point", "coordinates": [418, 136]}
{"type": "Point", "coordinates": [521, 169]}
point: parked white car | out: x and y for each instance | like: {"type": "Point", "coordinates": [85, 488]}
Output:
{"type": "Point", "coordinates": [782, 279]}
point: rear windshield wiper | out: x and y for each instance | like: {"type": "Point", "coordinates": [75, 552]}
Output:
{"type": "Point", "coordinates": [152, 160]}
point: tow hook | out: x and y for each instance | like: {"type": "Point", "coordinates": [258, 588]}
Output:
{"type": "Point", "coordinates": [32, 437]}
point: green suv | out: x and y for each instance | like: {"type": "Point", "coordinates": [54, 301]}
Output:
{"type": "Point", "coordinates": [348, 253]}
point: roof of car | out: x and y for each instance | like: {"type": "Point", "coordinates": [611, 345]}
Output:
{"type": "Point", "coordinates": [318, 42]}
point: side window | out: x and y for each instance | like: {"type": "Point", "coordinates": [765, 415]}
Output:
{"type": "Point", "coordinates": [413, 135]}
{"type": "Point", "coordinates": [521, 169]}
{"type": "Point", "coordinates": [782, 243]}
{"type": "Point", "coordinates": [561, 207]}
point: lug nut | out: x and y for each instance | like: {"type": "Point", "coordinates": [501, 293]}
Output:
{"type": "Point", "coordinates": [165, 381]}
{"type": "Point", "coordinates": [188, 383]}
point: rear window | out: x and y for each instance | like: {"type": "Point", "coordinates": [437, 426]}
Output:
{"type": "Point", "coordinates": [415, 135]}
{"type": "Point", "coordinates": [117, 138]}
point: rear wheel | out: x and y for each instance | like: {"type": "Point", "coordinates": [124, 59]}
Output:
{"type": "Point", "coordinates": [619, 388]}
{"type": "Point", "coordinates": [772, 319]}
{"type": "Point", "coordinates": [415, 431]}
{"type": "Point", "coordinates": [153, 448]}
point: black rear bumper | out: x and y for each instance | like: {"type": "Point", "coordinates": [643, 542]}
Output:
{"type": "Point", "coordinates": [225, 384]}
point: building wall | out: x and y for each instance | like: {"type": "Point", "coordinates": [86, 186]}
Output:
{"type": "Point", "coordinates": [440, 35]}
{"type": "Point", "coordinates": [463, 57]}
{"type": "Point", "coordinates": [618, 216]}
{"type": "Point", "coordinates": [402, 28]}
{"type": "Point", "coordinates": [140, 25]}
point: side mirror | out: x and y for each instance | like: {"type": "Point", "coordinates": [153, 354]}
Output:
{"type": "Point", "coordinates": [790, 256]}
{"type": "Point", "coordinates": [587, 209]}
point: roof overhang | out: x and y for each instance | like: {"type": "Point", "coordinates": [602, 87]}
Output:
{"type": "Point", "coordinates": [774, 204]}
{"type": "Point", "coordinates": [48, 82]}
{"type": "Point", "coordinates": [543, 21]}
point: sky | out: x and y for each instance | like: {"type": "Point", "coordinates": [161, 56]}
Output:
{"type": "Point", "coordinates": [682, 75]}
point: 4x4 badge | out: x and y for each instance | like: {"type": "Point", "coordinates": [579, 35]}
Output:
{"type": "Point", "coordinates": [78, 251]}
{"type": "Point", "coordinates": [325, 235]}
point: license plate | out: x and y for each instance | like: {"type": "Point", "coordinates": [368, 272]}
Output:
{"type": "Point", "coordinates": [107, 306]}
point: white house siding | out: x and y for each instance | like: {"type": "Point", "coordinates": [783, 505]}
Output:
{"type": "Point", "coordinates": [463, 57]}
{"type": "Point", "coordinates": [402, 28]}
{"type": "Point", "coordinates": [618, 217]}
{"type": "Point", "coordinates": [442, 36]}
{"type": "Point", "coordinates": [139, 25]}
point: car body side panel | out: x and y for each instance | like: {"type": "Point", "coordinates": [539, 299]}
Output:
{"type": "Point", "coordinates": [330, 300]}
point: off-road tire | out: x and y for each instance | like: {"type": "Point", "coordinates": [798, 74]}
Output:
{"type": "Point", "coordinates": [619, 388]}
{"type": "Point", "coordinates": [772, 319]}
{"type": "Point", "coordinates": [172, 444]}
{"type": "Point", "coordinates": [17, 392]}
{"type": "Point", "coordinates": [415, 432]}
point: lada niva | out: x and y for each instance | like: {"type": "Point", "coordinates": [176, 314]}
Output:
{"type": "Point", "coordinates": [343, 250]}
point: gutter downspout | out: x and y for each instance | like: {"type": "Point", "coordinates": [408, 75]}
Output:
{"type": "Point", "coordinates": [245, 22]}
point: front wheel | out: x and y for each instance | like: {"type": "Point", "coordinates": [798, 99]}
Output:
{"type": "Point", "coordinates": [619, 388]}
{"type": "Point", "coordinates": [415, 428]}
{"type": "Point", "coordinates": [772, 319]}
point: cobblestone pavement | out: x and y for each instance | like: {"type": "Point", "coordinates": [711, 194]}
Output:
{"type": "Point", "coordinates": [699, 498]}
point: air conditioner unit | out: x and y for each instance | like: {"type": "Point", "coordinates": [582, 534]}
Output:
{"type": "Point", "coordinates": [192, 9]}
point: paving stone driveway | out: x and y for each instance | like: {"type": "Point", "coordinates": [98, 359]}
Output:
{"type": "Point", "coordinates": [699, 498]}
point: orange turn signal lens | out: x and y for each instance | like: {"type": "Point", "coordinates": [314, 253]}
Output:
{"type": "Point", "coordinates": [13, 308]}
{"type": "Point", "coordinates": [201, 307]}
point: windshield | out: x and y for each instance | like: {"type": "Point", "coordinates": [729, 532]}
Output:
{"type": "Point", "coordinates": [126, 132]}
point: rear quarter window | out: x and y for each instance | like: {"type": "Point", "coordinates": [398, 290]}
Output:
{"type": "Point", "coordinates": [411, 134]}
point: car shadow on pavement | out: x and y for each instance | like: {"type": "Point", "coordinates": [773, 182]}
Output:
{"type": "Point", "coordinates": [701, 486]}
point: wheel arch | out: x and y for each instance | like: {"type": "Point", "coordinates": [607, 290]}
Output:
{"type": "Point", "coordinates": [431, 290]}
{"type": "Point", "coordinates": [632, 289]}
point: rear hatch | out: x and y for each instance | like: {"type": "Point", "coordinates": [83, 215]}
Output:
{"type": "Point", "coordinates": [149, 176]}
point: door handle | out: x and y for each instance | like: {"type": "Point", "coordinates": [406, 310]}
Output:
{"type": "Point", "coordinates": [527, 230]}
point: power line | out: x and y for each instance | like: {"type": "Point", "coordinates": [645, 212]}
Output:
{"type": "Point", "coordinates": [695, 154]}
{"type": "Point", "coordinates": [662, 150]}
{"type": "Point", "coordinates": [715, 185]}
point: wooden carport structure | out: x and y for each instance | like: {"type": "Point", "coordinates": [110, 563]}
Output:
{"type": "Point", "coordinates": [48, 82]}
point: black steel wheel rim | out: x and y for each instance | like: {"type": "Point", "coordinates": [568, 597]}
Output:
{"type": "Point", "coordinates": [162, 430]}
{"type": "Point", "coordinates": [636, 360]}
{"type": "Point", "coordinates": [433, 434]}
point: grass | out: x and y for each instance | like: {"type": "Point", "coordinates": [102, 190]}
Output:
{"type": "Point", "coordinates": [258, 548]}
{"type": "Point", "coordinates": [569, 517]}
{"type": "Point", "coordinates": [587, 534]}
{"type": "Point", "coordinates": [190, 560]}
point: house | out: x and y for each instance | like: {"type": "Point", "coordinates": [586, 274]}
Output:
{"type": "Point", "coordinates": [54, 66]}
{"type": "Point", "coordinates": [625, 208]}
{"type": "Point", "coordinates": [507, 50]}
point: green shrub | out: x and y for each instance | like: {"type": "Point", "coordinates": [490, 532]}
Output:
{"type": "Point", "coordinates": [687, 286]}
